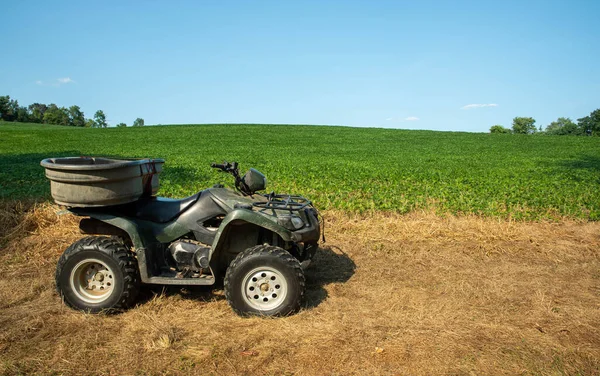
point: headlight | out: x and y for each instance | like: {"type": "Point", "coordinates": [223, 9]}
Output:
{"type": "Point", "coordinates": [291, 222]}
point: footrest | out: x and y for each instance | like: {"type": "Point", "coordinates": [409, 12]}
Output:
{"type": "Point", "coordinates": [202, 280]}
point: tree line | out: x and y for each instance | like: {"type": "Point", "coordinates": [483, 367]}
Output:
{"type": "Point", "coordinates": [10, 110]}
{"type": "Point", "coordinates": [586, 126]}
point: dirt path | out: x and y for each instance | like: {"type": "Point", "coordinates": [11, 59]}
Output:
{"type": "Point", "coordinates": [387, 294]}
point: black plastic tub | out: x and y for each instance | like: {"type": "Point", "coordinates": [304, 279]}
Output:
{"type": "Point", "coordinates": [91, 181]}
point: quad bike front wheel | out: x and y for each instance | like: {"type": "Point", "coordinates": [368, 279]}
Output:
{"type": "Point", "coordinates": [97, 273]}
{"type": "Point", "coordinates": [264, 281]}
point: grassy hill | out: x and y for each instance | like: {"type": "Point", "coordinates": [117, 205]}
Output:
{"type": "Point", "coordinates": [354, 169]}
{"type": "Point", "coordinates": [386, 294]}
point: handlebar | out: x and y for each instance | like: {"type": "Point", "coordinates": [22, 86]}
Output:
{"type": "Point", "coordinates": [225, 166]}
{"type": "Point", "coordinates": [219, 166]}
{"type": "Point", "coordinates": [232, 168]}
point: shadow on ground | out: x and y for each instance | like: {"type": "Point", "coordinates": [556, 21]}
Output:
{"type": "Point", "coordinates": [330, 265]}
{"type": "Point", "coordinates": [584, 162]}
{"type": "Point", "coordinates": [577, 168]}
{"type": "Point", "coordinates": [22, 177]}
{"type": "Point", "coordinates": [197, 293]}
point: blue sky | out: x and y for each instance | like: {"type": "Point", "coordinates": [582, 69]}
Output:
{"type": "Point", "coordinates": [441, 65]}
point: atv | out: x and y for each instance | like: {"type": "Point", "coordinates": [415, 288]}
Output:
{"type": "Point", "coordinates": [257, 244]}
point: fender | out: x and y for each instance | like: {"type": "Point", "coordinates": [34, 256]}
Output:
{"type": "Point", "coordinates": [141, 233]}
{"type": "Point", "coordinates": [248, 216]}
{"type": "Point", "coordinates": [130, 227]}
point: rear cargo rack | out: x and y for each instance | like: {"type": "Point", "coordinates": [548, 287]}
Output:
{"type": "Point", "coordinates": [283, 202]}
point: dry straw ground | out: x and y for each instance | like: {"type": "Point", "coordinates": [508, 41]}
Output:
{"type": "Point", "coordinates": [415, 294]}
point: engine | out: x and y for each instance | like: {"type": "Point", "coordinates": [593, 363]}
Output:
{"type": "Point", "coordinates": [189, 255]}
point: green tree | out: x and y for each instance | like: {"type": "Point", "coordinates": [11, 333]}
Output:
{"type": "Point", "coordinates": [76, 117]}
{"type": "Point", "coordinates": [14, 109]}
{"type": "Point", "coordinates": [100, 119]}
{"type": "Point", "coordinates": [590, 125]}
{"type": "Point", "coordinates": [563, 126]}
{"type": "Point", "coordinates": [499, 129]}
{"type": "Point", "coordinates": [524, 125]}
{"type": "Point", "coordinates": [90, 123]}
{"type": "Point", "coordinates": [9, 108]}
{"type": "Point", "coordinates": [56, 115]}
{"type": "Point", "coordinates": [23, 115]}
{"type": "Point", "coordinates": [37, 111]}
{"type": "Point", "coordinates": [4, 107]}
{"type": "Point", "coordinates": [121, 125]}
{"type": "Point", "coordinates": [139, 122]}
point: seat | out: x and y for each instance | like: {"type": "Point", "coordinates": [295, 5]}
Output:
{"type": "Point", "coordinates": [161, 209]}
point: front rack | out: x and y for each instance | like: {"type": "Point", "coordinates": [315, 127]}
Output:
{"type": "Point", "coordinates": [283, 202]}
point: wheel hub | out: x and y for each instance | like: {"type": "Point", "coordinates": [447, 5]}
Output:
{"type": "Point", "coordinates": [92, 281]}
{"type": "Point", "coordinates": [264, 288]}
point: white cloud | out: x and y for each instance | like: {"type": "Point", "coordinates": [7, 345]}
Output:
{"type": "Point", "coordinates": [411, 118]}
{"type": "Point", "coordinates": [478, 105]}
{"type": "Point", "coordinates": [389, 119]}
{"type": "Point", "coordinates": [57, 82]}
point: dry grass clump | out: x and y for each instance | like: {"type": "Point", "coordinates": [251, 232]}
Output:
{"type": "Point", "coordinates": [18, 219]}
{"type": "Point", "coordinates": [387, 294]}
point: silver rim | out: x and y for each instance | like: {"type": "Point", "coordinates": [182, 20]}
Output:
{"type": "Point", "coordinates": [92, 281]}
{"type": "Point", "coordinates": [264, 288]}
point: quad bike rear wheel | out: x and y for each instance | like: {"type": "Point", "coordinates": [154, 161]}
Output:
{"type": "Point", "coordinates": [97, 273]}
{"type": "Point", "coordinates": [264, 281]}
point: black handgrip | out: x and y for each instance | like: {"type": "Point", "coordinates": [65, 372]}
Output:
{"type": "Point", "coordinates": [219, 166]}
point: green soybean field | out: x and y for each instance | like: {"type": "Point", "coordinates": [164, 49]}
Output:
{"type": "Point", "coordinates": [343, 168]}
